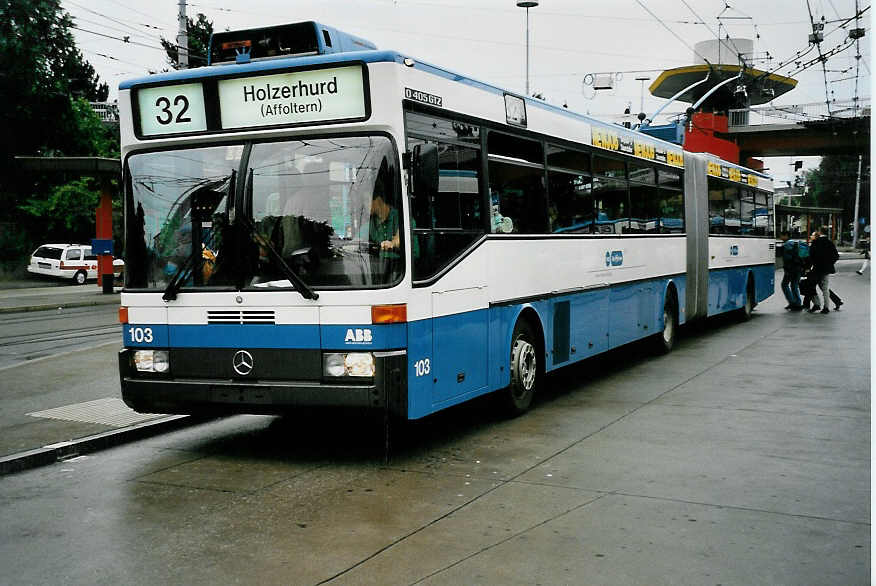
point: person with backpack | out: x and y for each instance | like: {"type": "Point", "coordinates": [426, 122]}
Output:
{"type": "Point", "coordinates": [823, 256]}
{"type": "Point", "coordinates": [793, 270]}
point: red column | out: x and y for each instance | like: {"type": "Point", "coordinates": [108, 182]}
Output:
{"type": "Point", "coordinates": [104, 231]}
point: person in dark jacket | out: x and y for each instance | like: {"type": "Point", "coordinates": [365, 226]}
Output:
{"type": "Point", "coordinates": [793, 270]}
{"type": "Point", "coordinates": [823, 256]}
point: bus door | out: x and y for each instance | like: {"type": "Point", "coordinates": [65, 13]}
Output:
{"type": "Point", "coordinates": [459, 341]}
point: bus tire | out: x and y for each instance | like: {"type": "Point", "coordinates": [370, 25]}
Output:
{"type": "Point", "coordinates": [526, 371]}
{"type": "Point", "coordinates": [747, 307]}
{"type": "Point", "coordinates": [664, 340]}
{"type": "Point", "coordinates": [80, 277]}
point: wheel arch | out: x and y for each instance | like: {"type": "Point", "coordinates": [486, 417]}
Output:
{"type": "Point", "coordinates": [531, 316]}
{"type": "Point", "coordinates": [670, 289]}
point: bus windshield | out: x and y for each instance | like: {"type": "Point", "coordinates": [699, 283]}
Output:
{"type": "Point", "coordinates": [325, 209]}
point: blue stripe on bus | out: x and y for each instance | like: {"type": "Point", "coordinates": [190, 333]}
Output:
{"type": "Point", "coordinates": [336, 337]}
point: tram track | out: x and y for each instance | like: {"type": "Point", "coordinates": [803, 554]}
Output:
{"type": "Point", "coordinates": [24, 337]}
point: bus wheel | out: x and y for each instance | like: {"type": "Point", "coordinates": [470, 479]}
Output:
{"type": "Point", "coordinates": [525, 370]}
{"type": "Point", "coordinates": [748, 306]}
{"type": "Point", "coordinates": [80, 277]}
{"type": "Point", "coordinates": [665, 340]}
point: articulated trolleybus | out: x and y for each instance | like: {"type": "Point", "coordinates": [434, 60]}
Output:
{"type": "Point", "coordinates": [310, 221]}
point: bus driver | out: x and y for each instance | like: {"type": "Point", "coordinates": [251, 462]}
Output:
{"type": "Point", "coordinates": [383, 226]}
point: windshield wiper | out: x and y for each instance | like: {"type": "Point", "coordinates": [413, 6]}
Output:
{"type": "Point", "coordinates": [183, 273]}
{"type": "Point", "coordinates": [290, 274]}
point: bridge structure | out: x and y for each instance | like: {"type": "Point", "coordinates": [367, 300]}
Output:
{"type": "Point", "coordinates": [800, 130]}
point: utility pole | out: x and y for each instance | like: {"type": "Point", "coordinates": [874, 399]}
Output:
{"type": "Point", "coordinates": [857, 204]}
{"type": "Point", "coordinates": [182, 38]}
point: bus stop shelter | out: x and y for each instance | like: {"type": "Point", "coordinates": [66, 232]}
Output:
{"type": "Point", "coordinates": [800, 221]}
{"type": "Point", "coordinates": [105, 169]}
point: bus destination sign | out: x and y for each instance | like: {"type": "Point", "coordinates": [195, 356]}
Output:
{"type": "Point", "coordinates": [637, 147]}
{"type": "Point", "coordinates": [292, 98]}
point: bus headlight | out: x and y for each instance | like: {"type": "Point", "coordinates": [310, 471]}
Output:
{"type": "Point", "coordinates": [152, 360]}
{"type": "Point", "coordinates": [333, 365]}
{"type": "Point", "coordinates": [359, 364]}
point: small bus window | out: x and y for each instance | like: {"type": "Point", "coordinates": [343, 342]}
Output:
{"type": "Point", "coordinates": [568, 160]}
{"type": "Point", "coordinates": [642, 173]}
{"type": "Point", "coordinates": [644, 208]}
{"type": "Point", "coordinates": [514, 147]}
{"type": "Point", "coordinates": [610, 196]}
{"type": "Point", "coordinates": [571, 207]}
{"type": "Point", "coordinates": [609, 167]}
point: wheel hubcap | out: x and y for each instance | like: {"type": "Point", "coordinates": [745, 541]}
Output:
{"type": "Point", "coordinates": [526, 364]}
{"type": "Point", "coordinates": [668, 326]}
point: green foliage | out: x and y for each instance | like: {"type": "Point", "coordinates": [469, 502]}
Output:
{"type": "Point", "coordinates": [68, 211]}
{"type": "Point", "coordinates": [833, 184]}
{"type": "Point", "coordinates": [199, 32]}
{"type": "Point", "coordinates": [45, 87]}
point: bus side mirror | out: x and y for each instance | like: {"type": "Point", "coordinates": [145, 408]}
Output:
{"type": "Point", "coordinates": [424, 169]}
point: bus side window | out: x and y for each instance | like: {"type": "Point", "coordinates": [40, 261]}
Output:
{"type": "Point", "coordinates": [446, 222]}
{"type": "Point", "coordinates": [517, 185]}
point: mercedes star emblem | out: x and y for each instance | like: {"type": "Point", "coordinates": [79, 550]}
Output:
{"type": "Point", "coordinates": [242, 362]}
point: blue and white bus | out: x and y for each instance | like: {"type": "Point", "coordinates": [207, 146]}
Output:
{"type": "Point", "coordinates": [310, 221]}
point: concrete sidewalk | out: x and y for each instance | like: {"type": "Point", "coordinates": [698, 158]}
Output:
{"type": "Point", "coordinates": [52, 297]}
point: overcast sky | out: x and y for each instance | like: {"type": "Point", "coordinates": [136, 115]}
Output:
{"type": "Point", "coordinates": [485, 39]}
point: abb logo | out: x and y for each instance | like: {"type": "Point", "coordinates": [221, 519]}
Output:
{"type": "Point", "coordinates": [358, 336]}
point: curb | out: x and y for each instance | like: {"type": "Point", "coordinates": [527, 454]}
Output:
{"type": "Point", "coordinates": [49, 306]}
{"type": "Point", "coordinates": [65, 450]}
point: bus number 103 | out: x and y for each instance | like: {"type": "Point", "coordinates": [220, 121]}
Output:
{"type": "Point", "coordinates": [422, 367]}
{"type": "Point", "coordinates": [141, 335]}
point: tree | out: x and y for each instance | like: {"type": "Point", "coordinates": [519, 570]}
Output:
{"type": "Point", "coordinates": [834, 182]}
{"type": "Point", "coordinates": [45, 86]}
{"type": "Point", "coordinates": [199, 32]}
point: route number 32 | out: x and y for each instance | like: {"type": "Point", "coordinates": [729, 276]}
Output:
{"type": "Point", "coordinates": [141, 335]}
{"type": "Point", "coordinates": [167, 115]}
{"type": "Point", "coordinates": [422, 367]}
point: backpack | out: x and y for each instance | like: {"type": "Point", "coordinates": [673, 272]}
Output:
{"type": "Point", "coordinates": [794, 251]}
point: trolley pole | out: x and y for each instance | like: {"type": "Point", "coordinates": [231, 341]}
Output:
{"type": "Point", "coordinates": [527, 4]}
{"type": "Point", "coordinates": [857, 204]}
{"type": "Point", "coordinates": [182, 38]}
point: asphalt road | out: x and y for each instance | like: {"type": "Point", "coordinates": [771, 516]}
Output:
{"type": "Point", "coordinates": [741, 458]}
{"type": "Point", "coordinates": [28, 336]}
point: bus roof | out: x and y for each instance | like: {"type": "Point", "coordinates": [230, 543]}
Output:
{"type": "Point", "coordinates": [388, 56]}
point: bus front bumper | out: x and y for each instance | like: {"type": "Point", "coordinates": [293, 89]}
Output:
{"type": "Point", "coordinates": [386, 390]}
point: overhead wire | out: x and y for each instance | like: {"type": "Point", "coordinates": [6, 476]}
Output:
{"type": "Point", "coordinates": [130, 42]}
{"type": "Point", "coordinates": [115, 20]}
{"type": "Point", "coordinates": [119, 30]}
{"type": "Point", "coordinates": [672, 32]}
{"type": "Point", "coordinates": [151, 16]}
{"type": "Point", "coordinates": [820, 58]}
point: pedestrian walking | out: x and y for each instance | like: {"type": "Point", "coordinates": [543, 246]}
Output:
{"type": "Point", "coordinates": [793, 271]}
{"type": "Point", "coordinates": [823, 256]}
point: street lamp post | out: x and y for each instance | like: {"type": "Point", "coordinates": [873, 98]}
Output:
{"type": "Point", "coordinates": [527, 4]}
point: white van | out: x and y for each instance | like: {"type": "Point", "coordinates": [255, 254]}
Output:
{"type": "Point", "coordinates": [68, 261]}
